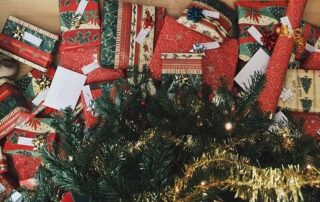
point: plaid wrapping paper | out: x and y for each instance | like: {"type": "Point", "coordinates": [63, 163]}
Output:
{"type": "Point", "coordinates": [131, 19]}
{"type": "Point", "coordinates": [264, 16]}
{"type": "Point", "coordinates": [81, 46]}
{"type": "Point", "coordinates": [278, 64]}
{"type": "Point", "coordinates": [13, 108]}
{"type": "Point", "coordinates": [14, 43]}
{"type": "Point", "coordinates": [301, 91]}
{"type": "Point", "coordinates": [217, 63]}
{"type": "Point", "coordinates": [216, 29]}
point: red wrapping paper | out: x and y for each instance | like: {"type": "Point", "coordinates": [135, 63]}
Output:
{"type": "Point", "coordinates": [176, 38]}
{"type": "Point", "coordinates": [278, 63]}
{"type": "Point", "coordinates": [311, 124]}
{"type": "Point", "coordinates": [25, 51]}
{"type": "Point", "coordinates": [90, 119]}
{"type": "Point", "coordinates": [312, 62]}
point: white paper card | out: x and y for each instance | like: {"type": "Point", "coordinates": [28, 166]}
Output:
{"type": "Point", "coordinates": [65, 89]}
{"type": "Point", "coordinates": [211, 45]}
{"type": "Point", "coordinates": [32, 39]}
{"type": "Point", "coordinates": [142, 35]}
{"type": "Point", "coordinates": [40, 97]}
{"type": "Point", "coordinates": [82, 6]}
{"type": "Point", "coordinates": [2, 188]}
{"type": "Point", "coordinates": [25, 141]}
{"type": "Point", "coordinates": [255, 34]}
{"type": "Point", "coordinates": [16, 197]}
{"type": "Point", "coordinates": [90, 67]}
{"type": "Point", "coordinates": [212, 14]}
{"type": "Point", "coordinates": [87, 96]}
{"type": "Point", "coordinates": [285, 21]}
{"type": "Point", "coordinates": [258, 63]}
{"type": "Point", "coordinates": [312, 49]}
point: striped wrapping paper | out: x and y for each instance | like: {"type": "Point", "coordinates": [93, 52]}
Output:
{"type": "Point", "coordinates": [182, 63]}
{"type": "Point", "coordinates": [17, 46]}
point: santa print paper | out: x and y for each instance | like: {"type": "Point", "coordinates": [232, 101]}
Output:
{"type": "Point", "coordinates": [278, 64]}
{"type": "Point", "coordinates": [175, 38]}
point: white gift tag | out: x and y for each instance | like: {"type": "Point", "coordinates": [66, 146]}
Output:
{"type": "Point", "coordinates": [16, 196]}
{"type": "Point", "coordinates": [254, 32]}
{"type": "Point", "coordinates": [285, 21]}
{"type": "Point", "coordinates": [40, 97]}
{"type": "Point", "coordinates": [32, 39]}
{"type": "Point", "coordinates": [142, 35]}
{"type": "Point", "coordinates": [312, 49]}
{"type": "Point", "coordinates": [258, 63]}
{"type": "Point", "coordinates": [2, 188]}
{"type": "Point", "coordinates": [82, 6]}
{"type": "Point", "coordinates": [212, 14]}
{"type": "Point", "coordinates": [25, 141]}
{"type": "Point", "coordinates": [87, 96]}
{"type": "Point", "coordinates": [211, 45]}
{"type": "Point", "coordinates": [90, 67]}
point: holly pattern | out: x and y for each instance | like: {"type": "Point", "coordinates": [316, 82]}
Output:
{"type": "Point", "coordinates": [66, 19]}
{"type": "Point", "coordinates": [48, 44]}
{"type": "Point", "coordinates": [109, 33]}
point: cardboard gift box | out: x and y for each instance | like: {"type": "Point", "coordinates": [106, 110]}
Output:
{"type": "Point", "coordinates": [13, 108]}
{"type": "Point", "coordinates": [211, 18]}
{"type": "Point", "coordinates": [301, 91]}
{"type": "Point", "coordinates": [28, 44]}
{"type": "Point", "coordinates": [217, 63]}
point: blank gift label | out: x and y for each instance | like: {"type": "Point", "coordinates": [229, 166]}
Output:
{"type": "Point", "coordinates": [142, 35]}
{"type": "Point", "coordinates": [258, 63]}
{"type": "Point", "coordinates": [212, 14]}
{"type": "Point", "coordinates": [65, 89]}
{"type": "Point", "coordinates": [25, 141]}
{"type": "Point", "coordinates": [255, 34]}
{"type": "Point", "coordinates": [32, 39]}
{"type": "Point", "coordinates": [82, 6]}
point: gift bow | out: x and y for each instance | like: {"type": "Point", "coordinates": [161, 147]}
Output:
{"type": "Point", "coordinates": [18, 33]}
{"type": "Point", "coordinates": [299, 41]}
{"type": "Point", "coordinates": [76, 20]}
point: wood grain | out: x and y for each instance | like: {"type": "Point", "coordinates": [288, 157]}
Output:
{"type": "Point", "coordinates": [45, 13]}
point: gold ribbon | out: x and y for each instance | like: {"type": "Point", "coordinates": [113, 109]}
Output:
{"type": "Point", "coordinates": [299, 40]}
{"type": "Point", "coordinates": [43, 83]}
{"type": "Point", "coordinates": [18, 33]}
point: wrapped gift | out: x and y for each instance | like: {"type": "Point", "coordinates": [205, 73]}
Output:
{"type": "Point", "coordinates": [6, 186]}
{"type": "Point", "coordinates": [74, 197]}
{"type": "Point", "coordinates": [13, 108]}
{"type": "Point", "coordinates": [210, 18]}
{"type": "Point", "coordinates": [135, 39]}
{"type": "Point", "coordinates": [80, 48]}
{"type": "Point", "coordinates": [217, 63]}
{"type": "Point", "coordinates": [29, 137]}
{"type": "Point", "coordinates": [278, 64]}
{"type": "Point", "coordinates": [312, 58]}
{"type": "Point", "coordinates": [311, 122]}
{"type": "Point", "coordinates": [264, 16]}
{"type": "Point", "coordinates": [88, 95]}
{"type": "Point", "coordinates": [28, 44]}
{"type": "Point", "coordinates": [301, 91]}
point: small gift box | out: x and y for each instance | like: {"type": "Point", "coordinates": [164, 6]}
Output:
{"type": "Point", "coordinates": [80, 48]}
{"type": "Point", "coordinates": [88, 95]}
{"type": "Point", "coordinates": [216, 63]}
{"type": "Point", "coordinates": [136, 28]}
{"type": "Point", "coordinates": [301, 91]}
{"type": "Point", "coordinates": [264, 16]}
{"type": "Point", "coordinates": [28, 44]}
{"type": "Point", "coordinates": [23, 145]}
{"type": "Point", "coordinates": [13, 108]}
{"type": "Point", "coordinates": [210, 18]}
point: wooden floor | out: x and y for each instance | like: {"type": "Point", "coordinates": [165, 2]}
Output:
{"type": "Point", "coordinates": [45, 13]}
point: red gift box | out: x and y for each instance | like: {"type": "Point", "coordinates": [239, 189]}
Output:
{"type": "Point", "coordinates": [13, 108]}
{"type": "Point", "coordinates": [217, 63]}
{"type": "Point", "coordinates": [90, 118]}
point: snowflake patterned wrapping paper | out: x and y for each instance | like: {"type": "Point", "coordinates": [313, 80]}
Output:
{"type": "Point", "coordinates": [217, 63]}
{"type": "Point", "coordinates": [301, 91]}
{"type": "Point", "coordinates": [132, 20]}
{"type": "Point", "coordinates": [278, 64]}
{"type": "Point", "coordinates": [265, 17]}
{"type": "Point", "coordinates": [216, 27]}
{"type": "Point", "coordinates": [28, 44]}
{"type": "Point", "coordinates": [13, 108]}
{"type": "Point", "coordinates": [81, 39]}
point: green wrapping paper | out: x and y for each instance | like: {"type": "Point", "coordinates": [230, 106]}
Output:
{"type": "Point", "coordinates": [109, 33]}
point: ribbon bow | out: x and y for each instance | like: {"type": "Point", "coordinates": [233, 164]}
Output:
{"type": "Point", "coordinates": [195, 14]}
{"type": "Point", "coordinates": [43, 82]}
{"type": "Point", "coordinates": [198, 48]}
{"type": "Point", "coordinates": [76, 20]}
{"type": "Point", "coordinates": [39, 141]}
{"type": "Point", "coordinates": [18, 33]}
